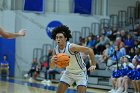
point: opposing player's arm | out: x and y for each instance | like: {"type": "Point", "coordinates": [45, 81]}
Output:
{"type": "Point", "coordinates": [8, 35]}
{"type": "Point", "coordinates": [86, 50]}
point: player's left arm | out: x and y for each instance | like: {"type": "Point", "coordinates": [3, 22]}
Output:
{"type": "Point", "coordinates": [86, 50]}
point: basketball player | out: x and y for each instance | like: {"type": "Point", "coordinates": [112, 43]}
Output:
{"type": "Point", "coordinates": [76, 71]}
{"type": "Point", "coordinates": [8, 35]}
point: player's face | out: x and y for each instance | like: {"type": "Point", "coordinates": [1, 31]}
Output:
{"type": "Point", "coordinates": [60, 39]}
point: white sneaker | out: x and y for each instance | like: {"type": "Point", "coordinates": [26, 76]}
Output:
{"type": "Point", "coordinates": [125, 92]}
{"type": "Point", "coordinates": [30, 79]}
{"type": "Point", "coordinates": [26, 75]}
{"type": "Point", "coordinates": [120, 90]}
{"type": "Point", "coordinates": [49, 82]}
{"type": "Point", "coordinates": [112, 91]}
{"type": "Point", "coordinates": [44, 81]}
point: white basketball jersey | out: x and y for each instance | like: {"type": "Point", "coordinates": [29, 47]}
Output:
{"type": "Point", "coordinates": [76, 64]}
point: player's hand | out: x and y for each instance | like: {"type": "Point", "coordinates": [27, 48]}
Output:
{"type": "Point", "coordinates": [91, 68]}
{"type": "Point", "coordinates": [54, 59]}
{"type": "Point", "coordinates": [22, 32]}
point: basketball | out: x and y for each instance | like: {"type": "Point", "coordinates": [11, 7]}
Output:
{"type": "Point", "coordinates": [62, 60]}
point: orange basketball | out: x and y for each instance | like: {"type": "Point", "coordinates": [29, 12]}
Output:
{"type": "Point", "coordinates": [62, 60]}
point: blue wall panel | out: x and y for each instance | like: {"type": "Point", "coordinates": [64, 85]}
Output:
{"type": "Point", "coordinates": [7, 47]}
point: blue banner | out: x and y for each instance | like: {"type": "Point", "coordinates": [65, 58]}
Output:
{"type": "Point", "coordinates": [34, 5]}
{"type": "Point", "coordinates": [82, 6]}
{"type": "Point", "coordinates": [53, 24]}
{"type": "Point", "coordinates": [7, 47]}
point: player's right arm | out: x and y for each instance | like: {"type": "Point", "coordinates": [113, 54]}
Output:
{"type": "Point", "coordinates": [53, 60]}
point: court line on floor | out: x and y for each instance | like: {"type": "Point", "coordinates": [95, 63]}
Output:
{"type": "Point", "coordinates": [37, 85]}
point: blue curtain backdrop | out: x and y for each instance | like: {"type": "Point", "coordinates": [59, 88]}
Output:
{"type": "Point", "coordinates": [82, 6]}
{"type": "Point", "coordinates": [7, 47]}
{"type": "Point", "coordinates": [34, 5]}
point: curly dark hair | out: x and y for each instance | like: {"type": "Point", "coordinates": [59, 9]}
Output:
{"type": "Point", "coordinates": [62, 29]}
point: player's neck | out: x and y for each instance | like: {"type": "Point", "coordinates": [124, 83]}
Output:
{"type": "Point", "coordinates": [61, 47]}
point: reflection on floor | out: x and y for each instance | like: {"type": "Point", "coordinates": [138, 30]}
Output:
{"type": "Point", "coordinates": [22, 86]}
